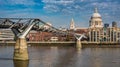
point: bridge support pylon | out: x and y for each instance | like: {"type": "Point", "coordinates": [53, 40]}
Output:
{"type": "Point", "coordinates": [78, 44]}
{"type": "Point", "coordinates": [20, 50]}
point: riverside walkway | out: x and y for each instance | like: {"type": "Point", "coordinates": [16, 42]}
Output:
{"type": "Point", "coordinates": [58, 42]}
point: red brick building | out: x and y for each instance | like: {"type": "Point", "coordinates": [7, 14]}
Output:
{"type": "Point", "coordinates": [39, 36]}
{"type": "Point", "coordinates": [46, 36]}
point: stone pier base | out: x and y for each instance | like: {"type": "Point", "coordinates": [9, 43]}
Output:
{"type": "Point", "coordinates": [19, 63]}
{"type": "Point", "coordinates": [20, 50]}
{"type": "Point", "coordinates": [78, 44]}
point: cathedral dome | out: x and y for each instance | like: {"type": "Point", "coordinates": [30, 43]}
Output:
{"type": "Point", "coordinates": [96, 20]}
{"type": "Point", "coordinates": [96, 15]}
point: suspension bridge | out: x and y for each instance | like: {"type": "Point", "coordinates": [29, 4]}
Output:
{"type": "Point", "coordinates": [22, 26]}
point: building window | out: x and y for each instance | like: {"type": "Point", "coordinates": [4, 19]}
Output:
{"type": "Point", "coordinates": [96, 23]}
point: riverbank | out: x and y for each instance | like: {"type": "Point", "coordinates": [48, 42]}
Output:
{"type": "Point", "coordinates": [66, 43]}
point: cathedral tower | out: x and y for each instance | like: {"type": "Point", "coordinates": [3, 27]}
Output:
{"type": "Point", "coordinates": [72, 25]}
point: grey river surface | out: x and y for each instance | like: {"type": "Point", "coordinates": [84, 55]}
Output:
{"type": "Point", "coordinates": [47, 56]}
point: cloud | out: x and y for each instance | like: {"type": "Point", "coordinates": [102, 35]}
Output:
{"type": "Point", "coordinates": [51, 8]}
{"type": "Point", "coordinates": [58, 1]}
{"type": "Point", "coordinates": [69, 6]}
{"type": "Point", "coordinates": [81, 4]}
{"type": "Point", "coordinates": [62, 6]}
{"type": "Point", "coordinates": [17, 2]}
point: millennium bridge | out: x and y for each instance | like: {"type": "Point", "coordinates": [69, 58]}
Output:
{"type": "Point", "coordinates": [21, 31]}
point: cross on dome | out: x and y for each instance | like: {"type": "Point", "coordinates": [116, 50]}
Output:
{"type": "Point", "coordinates": [96, 10]}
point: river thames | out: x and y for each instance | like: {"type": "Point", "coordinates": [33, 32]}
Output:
{"type": "Point", "coordinates": [53, 56]}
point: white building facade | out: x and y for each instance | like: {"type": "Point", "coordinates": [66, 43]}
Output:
{"type": "Point", "coordinates": [100, 33]}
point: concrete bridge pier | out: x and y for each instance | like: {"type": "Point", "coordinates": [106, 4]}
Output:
{"type": "Point", "coordinates": [18, 63]}
{"type": "Point", "coordinates": [78, 44]}
{"type": "Point", "coordinates": [20, 50]}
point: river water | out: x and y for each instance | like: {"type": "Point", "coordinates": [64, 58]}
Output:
{"type": "Point", "coordinates": [46, 56]}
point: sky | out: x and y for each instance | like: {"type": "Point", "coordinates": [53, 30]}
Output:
{"type": "Point", "coordinates": [60, 12]}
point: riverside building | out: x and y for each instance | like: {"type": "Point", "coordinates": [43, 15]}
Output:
{"type": "Point", "coordinates": [6, 34]}
{"type": "Point", "coordinates": [102, 33]}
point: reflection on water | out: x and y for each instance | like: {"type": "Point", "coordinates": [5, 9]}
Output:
{"type": "Point", "coordinates": [20, 63]}
{"type": "Point", "coordinates": [62, 57]}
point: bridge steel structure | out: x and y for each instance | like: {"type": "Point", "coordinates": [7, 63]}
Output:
{"type": "Point", "coordinates": [20, 50]}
